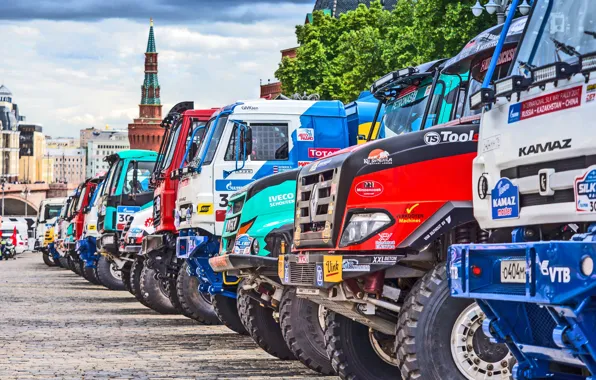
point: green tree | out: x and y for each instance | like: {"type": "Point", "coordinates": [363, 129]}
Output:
{"type": "Point", "coordinates": [339, 57]}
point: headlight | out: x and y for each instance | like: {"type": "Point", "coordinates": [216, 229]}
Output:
{"type": "Point", "coordinates": [362, 226]}
{"type": "Point", "coordinates": [255, 246]}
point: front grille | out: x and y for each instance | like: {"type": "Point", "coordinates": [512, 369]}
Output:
{"type": "Point", "coordinates": [541, 324]}
{"type": "Point", "coordinates": [315, 206]}
{"type": "Point", "coordinates": [574, 163]}
{"type": "Point", "coordinates": [302, 274]}
{"type": "Point", "coordinates": [560, 196]}
{"type": "Point", "coordinates": [156, 215]}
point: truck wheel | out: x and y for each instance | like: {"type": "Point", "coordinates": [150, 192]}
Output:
{"type": "Point", "coordinates": [356, 351]}
{"type": "Point", "coordinates": [75, 266]}
{"type": "Point", "coordinates": [440, 337]}
{"type": "Point", "coordinates": [226, 310]}
{"type": "Point", "coordinates": [47, 260]}
{"type": "Point", "coordinates": [155, 292]}
{"type": "Point", "coordinates": [90, 275]}
{"type": "Point", "coordinates": [64, 262]}
{"type": "Point", "coordinates": [108, 274]}
{"type": "Point", "coordinates": [135, 280]}
{"type": "Point", "coordinates": [261, 326]}
{"type": "Point", "coordinates": [194, 304]}
{"type": "Point", "coordinates": [302, 328]}
{"type": "Point", "coordinates": [125, 273]}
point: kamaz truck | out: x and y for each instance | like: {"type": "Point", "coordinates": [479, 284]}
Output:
{"type": "Point", "coordinates": [87, 243]}
{"type": "Point", "coordinates": [49, 210]}
{"type": "Point", "coordinates": [372, 228]}
{"type": "Point", "coordinates": [156, 275]}
{"type": "Point", "coordinates": [125, 192]}
{"type": "Point", "coordinates": [260, 226]}
{"type": "Point", "coordinates": [62, 230]}
{"type": "Point", "coordinates": [534, 194]}
{"type": "Point", "coordinates": [243, 142]}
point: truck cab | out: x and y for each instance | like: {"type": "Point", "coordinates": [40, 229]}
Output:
{"type": "Point", "coordinates": [126, 191]}
{"type": "Point", "coordinates": [49, 210]}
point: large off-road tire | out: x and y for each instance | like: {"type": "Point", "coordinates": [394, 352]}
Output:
{"type": "Point", "coordinates": [261, 326]}
{"type": "Point", "coordinates": [226, 310]}
{"type": "Point", "coordinates": [125, 274]}
{"type": "Point", "coordinates": [135, 280]}
{"type": "Point", "coordinates": [108, 274]}
{"type": "Point", "coordinates": [353, 356]}
{"type": "Point", "coordinates": [76, 266]}
{"type": "Point", "coordinates": [57, 262]}
{"type": "Point", "coordinates": [47, 259]}
{"type": "Point", "coordinates": [300, 321]}
{"type": "Point", "coordinates": [431, 330]}
{"type": "Point", "coordinates": [194, 304]}
{"type": "Point", "coordinates": [155, 292]}
{"type": "Point", "coordinates": [64, 262]}
{"type": "Point", "coordinates": [90, 274]}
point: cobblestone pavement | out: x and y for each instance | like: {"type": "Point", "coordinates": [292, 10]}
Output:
{"type": "Point", "coordinates": [54, 324]}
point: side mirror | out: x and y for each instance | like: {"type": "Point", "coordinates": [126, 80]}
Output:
{"type": "Point", "coordinates": [135, 188]}
{"type": "Point", "coordinates": [247, 132]}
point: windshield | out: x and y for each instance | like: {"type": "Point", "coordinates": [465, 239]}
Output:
{"type": "Point", "coordinates": [570, 24]}
{"type": "Point", "coordinates": [49, 212]}
{"type": "Point", "coordinates": [212, 145]}
{"type": "Point", "coordinates": [112, 180]}
{"type": "Point", "coordinates": [142, 180]}
{"type": "Point", "coordinates": [404, 113]}
{"type": "Point", "coordinates": [172, 142]}
{"type": "Point", "coordinates": [81, 197]}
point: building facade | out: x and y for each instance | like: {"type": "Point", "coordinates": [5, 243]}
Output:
{"type": "Point", "coordinates": [9, 138]}
{"type": "Point", "coordinates": [32, 152]}
{"type": "Point", "coordinates": [68, 164]}
{"type": "Point", "coordinates": [97, 150]}
{"type": "Point", "coordinates": [62, 142]}
{"type": "Point", "coordinates": [145, 132]}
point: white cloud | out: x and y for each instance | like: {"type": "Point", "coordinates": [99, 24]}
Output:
{"type": "Point", "coordinates": [71, 75]}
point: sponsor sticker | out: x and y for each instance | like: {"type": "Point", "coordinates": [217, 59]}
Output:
{"type": "Point", "coordinates": [281, 199]}
{"type": "Point", "coordinates": [546, 104]}
{"type": "Point", "coordinates": [383, 241]}
{"type": "Point", "coordinates": [231, 184]}
{"type": "Point", "coordinates": [369, 189]}
{"type": "Point", "coordinates": [585, 191]}
{"type": "Point", "coordinates": [282, 168]}
{"type": "Point", "coordinates": [218, 262]}
{"type": "Point", "coordinates": [280, 266]}
{"type": "Point", "coordinates": [286, 272]}
{"type": "Point", "coordinates": [184, 182]}
{"type": "Point", "coordinates": [434, 138]}
{"type": "Point", "coordinates": [410, 216]}
{"type": "Point", "coordinates": [303, 259]}
{"type": "Point", "coordinates": [123, 213]}
{"type": "Point", "coordinates": [590, 93]}
{"type": "Point", "coordinates": [242, 244]}
{"type": "Point", "coordinates": [205, 208]}
{"type": "Point", "coordinates": [305, 134]}
{"type": "Point", "coordinates": [319, 269]}
{"type": "Point", "coordinates": [560, 275]}
{"type": "Point", "coordinates": [490, 143]}
{"type": "Point", "coordinates": [303, 163]}
{"type": "Point", "coordinates": [353, 265]}
{"type": "Point", "coordinates": [321, 152]}
{"type": "Point", "coordinates": [385, 260]}
{"type": "Point", "coordinates": [438, 227]}
{"type": "Point", "coordinates": [332, 268]}
{"type": "Point", "coordinates": [505, 200]}
{"type": "Point", "coordinates": [378, 157]}
{"type": "Point", "coordinates": [92, 227]}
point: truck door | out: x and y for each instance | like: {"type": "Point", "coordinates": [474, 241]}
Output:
{"type": "Point", "coordinates": [235, 168]}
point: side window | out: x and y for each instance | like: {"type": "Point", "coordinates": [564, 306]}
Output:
{"type": "Point", "coordinates": [269, 143]}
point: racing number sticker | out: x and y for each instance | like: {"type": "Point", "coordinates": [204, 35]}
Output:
{"type": "Point", "coordinates": [332, 268]}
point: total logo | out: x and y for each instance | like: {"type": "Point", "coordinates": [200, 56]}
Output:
{"type": "Point", "coordinates": [378, 157]}
{"type": "Point", "coordinates": [321, 152]}
{"type": "Point", "coordinates": [434, 138]}
{"type": "Point", "coordinates": [305, 134]}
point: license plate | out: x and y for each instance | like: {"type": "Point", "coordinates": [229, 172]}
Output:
{"type": "Point", "coordinates": [231, 225]}
{"type": "Point", "coordinates": [307, 291]}
{"type": "Point", "coordinates": [513, 271]}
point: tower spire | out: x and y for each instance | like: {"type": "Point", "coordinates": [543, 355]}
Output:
{"type": "Point", "coordinates": [151, 41]}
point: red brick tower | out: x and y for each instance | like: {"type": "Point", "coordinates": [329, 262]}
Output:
{"type": "Point", "coordinates": [145, 132]}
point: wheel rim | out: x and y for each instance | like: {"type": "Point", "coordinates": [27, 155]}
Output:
{"type": "Point", "coordinates": [473, 353]}
{"type": "Point", "coordinates": [115, 272]}
{"type": "Point", "coordinates": [322, 313]}
{"type": "Point", "coordinates": [383, 346]}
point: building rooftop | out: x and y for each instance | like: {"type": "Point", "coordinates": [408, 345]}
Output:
{"type": "Point", "coordinates": [4, 90]}
{"type": "Point", "coordinates": [336, 7]}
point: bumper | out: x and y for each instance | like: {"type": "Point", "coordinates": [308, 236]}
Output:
{"type": "Point", "coordinates": [237, 262]}
{"type": "Point", "coordinates": [136, 249]}
{"type": "Point", "coordinates": [323, 271]}
{"type": "Point", "coordinates": [152, 243]}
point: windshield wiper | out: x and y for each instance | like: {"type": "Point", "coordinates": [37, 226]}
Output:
{"type": "Point", "coordinates": [567, 49]}
{"type": "Point", "coordinates": [590, 33]}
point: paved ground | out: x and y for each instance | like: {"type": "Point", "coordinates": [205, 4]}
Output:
{"type": "Point", "coordinates": [54, 324]}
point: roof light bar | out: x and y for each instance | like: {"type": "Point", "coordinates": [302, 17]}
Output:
{"type": "Point", "coordinates": [481, 98]}
{"type": "Point", "coordinates": [588, 63]}
{"type": "Point", "coordinates": [511, 85]}
{"type": "Point", "coordinates": [392, 77]}
{"type": "Point", "coordinates": [553, 72]}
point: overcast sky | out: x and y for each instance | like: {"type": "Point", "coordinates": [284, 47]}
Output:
{"type": "Point", "coordinates": [73, 64]}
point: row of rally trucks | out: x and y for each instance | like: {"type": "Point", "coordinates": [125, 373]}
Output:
{"type": "Point", "coordinates": [357, 238]}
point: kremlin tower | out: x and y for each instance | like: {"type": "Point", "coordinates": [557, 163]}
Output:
{"type": "Point", "coordinates": [146, 132]}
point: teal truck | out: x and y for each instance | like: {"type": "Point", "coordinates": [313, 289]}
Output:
{"type": "Point", "coordinates": [125, 192]}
